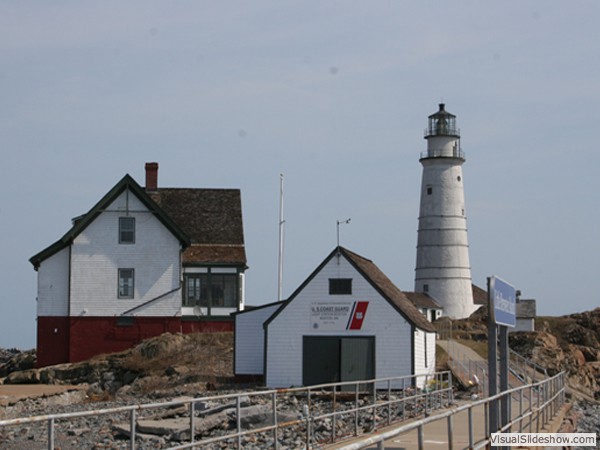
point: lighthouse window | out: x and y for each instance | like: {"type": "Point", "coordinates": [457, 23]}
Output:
{"type": "Point", "coordinates": [429, 190]}
{"type": "Point", "coordinates": [458, 178]}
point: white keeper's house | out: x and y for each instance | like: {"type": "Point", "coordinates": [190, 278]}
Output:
{"type": "Point", "coordinates": [141, 262]}
{"type": "Point", "coordinates": [346, 322]}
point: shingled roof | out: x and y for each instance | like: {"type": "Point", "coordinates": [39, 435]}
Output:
{"type": "Point", "coordinates": [208, 222]}
{"type": "Point", "coordinates": [212, 218]}
{"type": "Point", "coordinates": [80, 223]}
{"type": "Point", "coordinates": [378, 280]}
{"type": "Point", "coordinates": [480, 296]}
{"type": "Point", "coordinates": [388, 289]}
{"type": "Point", "coordinates": [421, 300]}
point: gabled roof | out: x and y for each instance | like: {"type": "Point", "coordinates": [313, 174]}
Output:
{"type": "Point", "coordinates": [422, 300]}
{"type": "Point", "coordinates": [382, 284]}
{"type": "Point", "coordinates": [81, 222]}
{"type": "Point", "coordinates": [212, 218]}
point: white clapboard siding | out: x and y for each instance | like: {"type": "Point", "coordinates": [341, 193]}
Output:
{"type": "Point", "coordinates": [393, 349]}
{"type": "Point", "coordinates": [424, 354]}
{"type": "Point", "coordinates": [249, 340]}
{"type": "Point", "coordinates": [96, 256]}
{"type": "Point", "coordinates": [53, 285]}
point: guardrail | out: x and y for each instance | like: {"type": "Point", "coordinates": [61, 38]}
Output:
{"type": "Point", "coordinates": [453, 153]}
{"type": "Point", "coordinates": [323, 414]}
{"type": "Point", "coordinates": [532, 414]}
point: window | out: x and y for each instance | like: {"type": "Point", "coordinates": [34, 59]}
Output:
{"type": "Point", "coordinates": [126, 230]}
{"type": "Point", "coordinates": [425, 288]}
{"type": "Point", "coordinates": [211, 289]}
{"type": "Point", "coordinates": [125, 321]}
{"type": "Point", "coordinates": [340, 286]}
{"type": "Point", "coordinates": [126, 277]}
{"type": "Point", "coordinates": [429, 190]}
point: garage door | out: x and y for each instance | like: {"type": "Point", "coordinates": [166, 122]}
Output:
{"type": "Point", "coordinates": [329, 359]}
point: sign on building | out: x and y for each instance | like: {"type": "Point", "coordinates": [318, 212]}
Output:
{"type": "Point", "coordinates": [337, 316]}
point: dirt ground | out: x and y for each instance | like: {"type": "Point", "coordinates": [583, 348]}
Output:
{"type": "Point", "coordinates": [9, 393]}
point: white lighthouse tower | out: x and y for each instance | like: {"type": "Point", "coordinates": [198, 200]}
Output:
{"type": "Point", "coordinates": [442, 269]}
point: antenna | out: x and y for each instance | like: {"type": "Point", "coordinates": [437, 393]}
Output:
{"type": "Point", "coordinates": [281, 232]}
{"type": "Point", "coordinates": [338, 228]}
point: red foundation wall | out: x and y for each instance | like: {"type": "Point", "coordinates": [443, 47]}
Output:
{"type": "Point", "coordinates": [52, 340]}
{"type": "Point", "coordinates": [80, 338]}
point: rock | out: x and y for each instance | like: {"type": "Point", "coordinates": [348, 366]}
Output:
{"type": "Point", "coordinates": [164, 426]}
{"type": "Point", "coordinates": [31, 376]}
{"type": "Point", "coordinates": [13, 360]}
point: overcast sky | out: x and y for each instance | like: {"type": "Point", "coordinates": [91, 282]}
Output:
{"type": "Point", "coordinates": [335, 95]}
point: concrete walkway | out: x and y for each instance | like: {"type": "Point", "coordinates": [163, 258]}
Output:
{"type": "Point", "coordinates": [435, 435]}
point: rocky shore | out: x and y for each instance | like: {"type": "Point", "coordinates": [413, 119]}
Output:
{"type": "Point", "coordinates": [168, 427]}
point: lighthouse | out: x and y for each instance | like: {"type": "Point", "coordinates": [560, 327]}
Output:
{"type": "Point", "coordinates": [442, 269]}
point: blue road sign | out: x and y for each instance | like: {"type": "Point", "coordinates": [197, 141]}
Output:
{"type": "Point", "coordinates": [504, 304]}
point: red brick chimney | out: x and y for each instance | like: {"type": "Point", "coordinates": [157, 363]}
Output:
{"type": "Point", "coordinates": [151, 176]}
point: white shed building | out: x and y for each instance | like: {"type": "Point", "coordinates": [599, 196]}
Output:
{"type": "Point", "coordinates": [346, 322]}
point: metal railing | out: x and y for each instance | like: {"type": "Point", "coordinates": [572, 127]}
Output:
{"type": "Point", "coordinates": [322, 414]}
{"type": "Point", "coordinates": [532, 415]}
{"type": "Point", "coordinates": [454, 153]}
{"type": "Point", "coordinates": [525, 368]}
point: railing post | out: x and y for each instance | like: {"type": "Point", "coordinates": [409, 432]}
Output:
{"type": "Point", "coordinates": [334, 417]}
{"type": "Point", "coordinates": [530, 405]}
{"type": "Point", "coordinates": [51, 434]}
{"type": "Point", "coordinates": [403, 399]}
{"type": "Point", "coordinates": [537, 425]}
{"type": "Point", "coordinates": [450, 386]}
{"type": "Point", "coordinates": [275, 425]}
{"type": "Point", "coordinates": [389, 401]}
{"type": "Point", "coordinates": [450, 433]}
{"type": "Point", "coordinates": [192, 419]}
{"type": "Point", "coordinates": [132, 421]}
{"type": "Point", "coordinates": [427, 395]}
{"type": "Point", "coordinates": [374, 407]}
{"type": "Point", "coordinates": [238, 416]}
{"type": "Point", "coordinates": [521, 410]}
{"type": "Point", "coordinates": [308, 430]}
{"type": "Point", "coordinates": [470, 411]}
{"type": "Point", "coordinates": [546, 401]}
{"type": "Point", "coordinates": [421, 440]}
{"type": "Point", "coordinates": [356, 411]}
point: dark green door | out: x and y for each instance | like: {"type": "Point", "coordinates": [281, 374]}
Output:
{"type": "Point", "coordinates": [329, 359]}
{"type": "Point", "coordinates": [357, 359]}
{"type": "Point", "coordinates": [320, 360]}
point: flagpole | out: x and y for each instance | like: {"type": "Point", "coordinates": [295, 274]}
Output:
{"type": "Point", "coordinates": [281, 231]}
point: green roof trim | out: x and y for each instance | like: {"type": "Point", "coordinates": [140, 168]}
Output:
{"type": "Point", "coordinates": [126, 183]}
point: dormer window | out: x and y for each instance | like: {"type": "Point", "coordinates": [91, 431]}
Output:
{"type": "Point", "coordinates": [340, 286]}
{"type": "Point", "coordinates": [126, 230]}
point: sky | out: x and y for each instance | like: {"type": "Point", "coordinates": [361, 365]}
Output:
{"type": "Point", "coordinates": [334, 95]}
